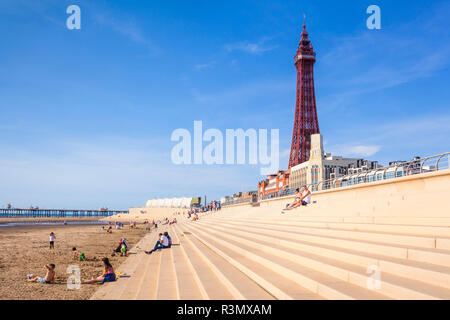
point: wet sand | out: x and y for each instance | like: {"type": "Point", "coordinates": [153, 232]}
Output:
{"type": "Point", "coordinates": [26, 250]}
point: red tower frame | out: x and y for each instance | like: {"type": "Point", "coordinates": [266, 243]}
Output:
{"type": "Point", "coordinates": [305, 123]}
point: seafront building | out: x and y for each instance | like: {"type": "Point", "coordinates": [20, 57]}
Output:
{"type": "Point", "coordinates": [169, 203]}
{"type": "Point", "coordinates": [321, 166]}
{"type": "Point", "coordinates": [324, 166]}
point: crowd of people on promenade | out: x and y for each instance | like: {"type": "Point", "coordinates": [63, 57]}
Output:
{"type": "Point", "coordinates": [213, 206]}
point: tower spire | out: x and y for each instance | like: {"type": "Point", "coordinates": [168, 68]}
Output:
{"type": "Point", "coordinates": [305, 122]}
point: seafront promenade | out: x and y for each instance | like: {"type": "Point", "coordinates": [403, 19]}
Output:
{"type": "Point", "coordinates": [389, 240]}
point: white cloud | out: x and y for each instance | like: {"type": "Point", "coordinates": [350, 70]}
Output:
{"type": "Point", "coordinates": [249, 90]}
{"type": "Point", "coordinates": [251, 47]}
{"type": "Point", "coordinates": [204, 66]}
{"type": "Point", "coordinates": [126, 27]}
{"type": "Point", "coordinates": [355, 150]}
{"type": "Point", "coordinates": [363, 151]}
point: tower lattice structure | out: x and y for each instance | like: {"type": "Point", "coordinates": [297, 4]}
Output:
{"type": "Point", "coordinates": [305, 123]}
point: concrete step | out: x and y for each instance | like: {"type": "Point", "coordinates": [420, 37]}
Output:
{"type": "Point", "coordinates": [212, 280]}
{"type": "Point", "coordinates": [189, 283]}
{"type": "Point", "coordinates": [236, 282]}
{"type": "Point", "coordinates": [397, 287]}
{"type": "Point", "coordinates": [168, 280]}
{"type": "Point", "coordinates": [429, 255]}
{"type": "Point", "coordinates": [409, 240]}
{"type": "Point", "coordinates": [148, 287]}
{"type": "Point", "coordinates": [297, 215]}
{"type": "Point", "coordinates": [246, 287]}
{"type": "Point", "coordinates": [319, 283]}
{"type": "Point", "coordinates": [113, 290]}
{"type": "Point", "coordinates": [428, 273]}
{"type": "Point", "coordinates": [408, 230]}
{"type": "Point", "coordinates": [132, 284]}
{"type": "Point", "coordinates": [379, 233]}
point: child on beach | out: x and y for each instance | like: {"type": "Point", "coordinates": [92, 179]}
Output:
{"type": "Point", "coordinates": [123, 249]}
{"type": "Point", "coordinates": [49, 276]}
{"type": "Point", "coordinates": [52, 240]}
{"type": "Point", "coordinates": [108, 274]}
{"type": "Point", "coordinates": [77, 255]}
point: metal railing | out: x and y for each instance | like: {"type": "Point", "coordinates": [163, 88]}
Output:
{"type": "Point", "coordinates": [251, 199]}
{"type": "Point", "coordinates": [401, 169]}
{"type": "Point", "coordinates": [397, 170]}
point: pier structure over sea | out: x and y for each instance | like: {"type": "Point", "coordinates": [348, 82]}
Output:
{"type": "Point", "coordinates": [57, 213]}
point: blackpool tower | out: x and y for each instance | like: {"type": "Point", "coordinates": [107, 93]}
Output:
{"type": "Point", "coordinates": [305, 123]}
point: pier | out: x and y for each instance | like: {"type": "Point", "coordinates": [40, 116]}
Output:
{"type": "Point", "coordinates": [57, 213]}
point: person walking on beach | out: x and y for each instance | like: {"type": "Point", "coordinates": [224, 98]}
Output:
{"type": "Point", "coordinates": [52, 240]}
{"type": "Point", "coordinates": [108, 274]}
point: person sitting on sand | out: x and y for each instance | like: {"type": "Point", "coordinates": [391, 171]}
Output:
{"type": "Point", "coordinates": [123, 249]}
{"type": "Point", "coordinates": [162, 243]}
{"type": "Point", "coordinates": [108, 274]}
{"type": "Point", "coordinates": [75, 253]}
{"type": "Point", "coordinates": [49, 276]}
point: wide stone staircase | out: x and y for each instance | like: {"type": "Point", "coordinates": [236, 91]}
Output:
{"type": "Point", "coordinates": [250, 252]}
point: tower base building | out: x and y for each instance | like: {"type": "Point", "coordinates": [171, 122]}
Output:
{"type": "Point", "coordinates": [323, 166]}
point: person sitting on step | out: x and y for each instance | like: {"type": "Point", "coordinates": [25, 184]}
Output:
{"type": "Point", "coordinates": [162, 243]}
{"type": "Point", "coordinates": [168, 238]}
{"type": "Point", "coordinates": [301, 199]}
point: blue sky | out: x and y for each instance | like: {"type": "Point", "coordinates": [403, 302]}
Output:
{"type": "Point", "coordinates": [86, 115]}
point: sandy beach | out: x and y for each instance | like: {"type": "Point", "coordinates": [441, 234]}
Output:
{"type": "Point", "coordinates": [139, 215]}
{"type": "Point", "coordinates": [26, 250]}
{"type": "Point", "coordinates": [52, 219]}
